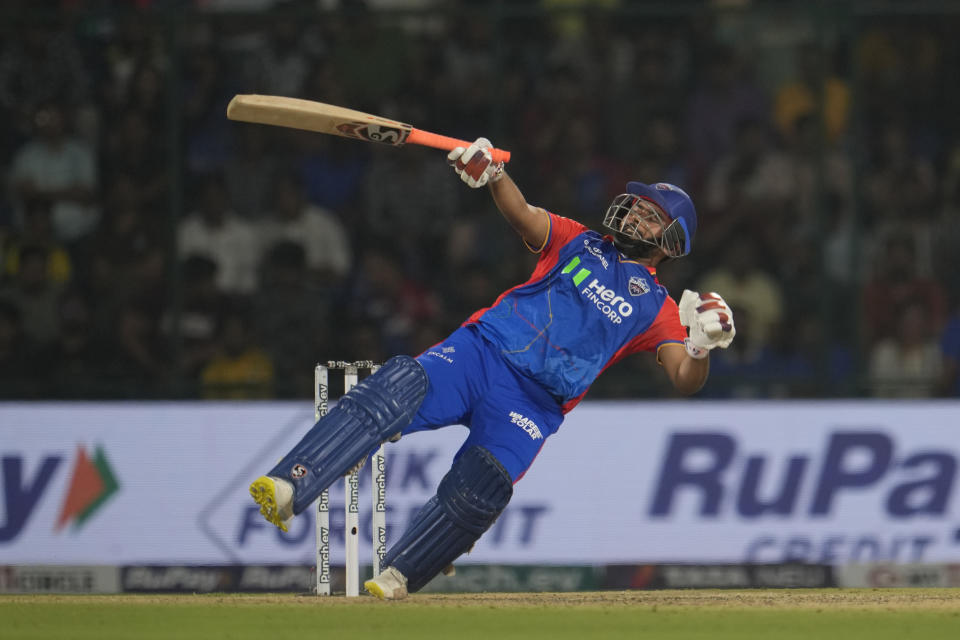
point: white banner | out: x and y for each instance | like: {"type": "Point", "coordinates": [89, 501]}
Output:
{"type": "Point", "coordinates": [622, 482]}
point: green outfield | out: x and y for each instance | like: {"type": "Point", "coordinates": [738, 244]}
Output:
{"type": "Point", "coordinates": [871, 614]}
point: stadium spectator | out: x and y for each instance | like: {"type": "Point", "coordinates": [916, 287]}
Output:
{"type": "Point", "coordinates": [950, 352]}
{"type": "Point", "coordinates": [56, 165]}
{"type": "Point", "coordinates": [659, 95]}
{"type": "Point", "coordinates": [191, 334]}
{"type": "Point", "coordinates": [908, 363]}
{"type": "Point", "coordinates": [80, 362]}
{"type": "Point", "coordinates": [409, 204]}
{"type": "Point", "coordinates": [38, 231]}
{"type": "Point", "coordinates": [143, 363]}
{"type": "Point", "coordinates": [894, 284]}
{"type": "Point", "coordinates": [294, 317]}
{"type": "Point", "coordinates": [240, 369]}
{"type": "Point", "coordinates": [214, 230]}
{"type": "Point", "coordinates": [35, 296]}
{"type": "Point", "coordinates": [40, 62]}
{"type": "Point", "coordinates": [747, 287]}
{"type": "Point", "coordinates": [899, 184]}
{"type": "Point", "coordinates": [250, 171]}
{"type": "Point", "coordinates": [18, 356]}
{"type": "Point", "coordinates": [721, 99]}
{"type": "Point", "coordinates": [132, 150]}
{"type": "Point", "coordinates": [752, 187]}
{"type": "Point", "coordinates": [822, 178]}
{"type": "Point", "coordinates": [128, 256]}
{"type": "Point", "coordinates": [815, 92]}
{"type": "Point", "coordinates": [385, 293]}
{"type": "Point", "coordinates": [323, 237]}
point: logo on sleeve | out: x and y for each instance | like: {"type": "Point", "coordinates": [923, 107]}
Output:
{"type": "Point", "coordinates": [638, 286]}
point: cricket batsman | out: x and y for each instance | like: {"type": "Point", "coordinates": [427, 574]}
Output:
{"type": "Point", "coordinates": [513, 370]}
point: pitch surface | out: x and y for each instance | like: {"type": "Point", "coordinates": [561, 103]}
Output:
{"type": "Point", "coordinates": [873, 614]}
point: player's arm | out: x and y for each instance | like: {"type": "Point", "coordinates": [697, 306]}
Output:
{"type": "Point", "coordinates": [687, 374]}
{"type": "Point", "coordinates": [532, 223]}
{"type": "Point", "coordinates": [476, 168]}
{"type": "Point", "coordinates": [709, 321]}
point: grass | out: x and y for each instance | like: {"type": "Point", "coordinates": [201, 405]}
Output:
{"type": "Point", "coordinates": [849, 614]}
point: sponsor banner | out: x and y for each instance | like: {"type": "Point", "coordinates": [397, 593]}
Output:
{"type": "Point", "coordinates": [227, 578]}
{"type": "Point", "coordinates": [515, 578]}
{"type": "Point", "coordinates": [898, 575]}
{"type": "Point", "coordinates": [302, 579]}
{"type": "Point", "coordinates": [621, 483]}
{"type": "Point", "coordinates": [728, 576]}
{"type": "Point", "coordinates": [59, 579]}
{"type": "Point", "coordinates": [179, 579]}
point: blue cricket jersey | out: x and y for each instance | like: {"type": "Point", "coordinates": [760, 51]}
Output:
{"type": "Point", "coordinates": [584, 307]}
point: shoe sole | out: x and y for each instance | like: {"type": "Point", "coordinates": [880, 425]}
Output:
{"type": "Point", "coordinates": [375, 589]}
{"type": "Point", "coordinates": [263, 490]}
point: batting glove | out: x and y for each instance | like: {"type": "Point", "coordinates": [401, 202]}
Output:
{"type": "Point", "coordinates": [474, 164]}
{"type": "Point", "coordinates": [709, 320]}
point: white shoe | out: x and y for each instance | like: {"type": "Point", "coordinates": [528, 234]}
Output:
{"type": "Point", "coordinates": [275, 497]}
{"type": "Point", "coordinates": [389, 585]}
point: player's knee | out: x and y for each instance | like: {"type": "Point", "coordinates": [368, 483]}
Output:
{"type": "Point", "coordinates": [389, 398]}
{"type": "Point", "coordinates": [475, 490]}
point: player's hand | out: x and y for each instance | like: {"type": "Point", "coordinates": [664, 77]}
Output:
{"type": "Point", "coordinates": [474, 164]}
{"type": "Point", "coordinates": [709, 320]}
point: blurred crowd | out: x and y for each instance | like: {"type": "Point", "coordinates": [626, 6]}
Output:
{"type": "Point", "coordinates": [151, 248]}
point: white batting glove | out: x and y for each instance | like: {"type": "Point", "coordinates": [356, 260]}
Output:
{"type": "Point", "coordinates": [474, 164]}
{"type": "Point", "coordinates": [709, 320]}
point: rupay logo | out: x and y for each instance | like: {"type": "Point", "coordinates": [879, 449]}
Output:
{"type": "Point", "coordinates": [92, 483]}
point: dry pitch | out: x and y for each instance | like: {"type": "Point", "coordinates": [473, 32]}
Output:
{"type": "Point", "coordinates": [849, 614]}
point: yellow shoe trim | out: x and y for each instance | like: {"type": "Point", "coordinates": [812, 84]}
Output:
{"type": "Point", "coordinates": [375, 589]}
{"type": "Point", "coordinates": [264, 493]}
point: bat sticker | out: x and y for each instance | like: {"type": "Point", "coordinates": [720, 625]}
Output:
{"type": "Point", "coordinates": [373, 132]}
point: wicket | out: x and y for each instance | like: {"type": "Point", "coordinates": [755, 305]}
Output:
{"type": "Point", "coordinates": [351, 371]}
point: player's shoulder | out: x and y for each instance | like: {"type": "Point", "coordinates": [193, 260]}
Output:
{"type": "Point", "coordinates": [562, 231]}
{"type": "Point", "coordinates": [567, 225]}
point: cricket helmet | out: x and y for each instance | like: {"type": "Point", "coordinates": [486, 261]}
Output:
{"type": "Point", "coordinates": [627, 216]}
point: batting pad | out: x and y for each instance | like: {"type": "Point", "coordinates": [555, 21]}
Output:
{"type": "Point", "coordinates": [470, 497]}
{"type": "Point", "coordinates": [378, 408]}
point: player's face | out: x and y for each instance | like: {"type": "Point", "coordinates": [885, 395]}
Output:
{"type": "Point", "coordinates": [637, 220]}
{"type": "Point", "coordinates": [644, 219]}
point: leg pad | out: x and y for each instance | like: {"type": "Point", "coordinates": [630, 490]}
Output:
{"type": "Point", "coordinates": [378, 408]}
{"type": "Point", "coordinates": [469, 499]}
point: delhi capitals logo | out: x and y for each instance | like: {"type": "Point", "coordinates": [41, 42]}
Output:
{"type": "Point", "coordinates": [638, 286]}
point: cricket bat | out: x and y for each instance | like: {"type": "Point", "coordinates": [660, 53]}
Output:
{"type": "Point", "coordinates": [310, 115]}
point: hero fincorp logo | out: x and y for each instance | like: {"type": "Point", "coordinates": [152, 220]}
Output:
{"type": "Point", "coordinates": [612, 305]}
{"type": "Point", "coordinates": [91, 484]}
{"type": "Point", "coordinates": [806, 506]}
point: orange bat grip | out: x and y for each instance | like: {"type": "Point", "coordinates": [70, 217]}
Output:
{"type": "Point", "coordinates": [435, 140]}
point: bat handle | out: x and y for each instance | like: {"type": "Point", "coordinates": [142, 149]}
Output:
{"type": "Point", "coordinates": [435, 140]}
